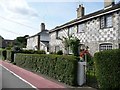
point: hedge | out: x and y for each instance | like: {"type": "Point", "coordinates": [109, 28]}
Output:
{"type": "Point", "coordinates": [32, 51]}
{"type": "Point", "coordinates": [62, 68]}
{"type": "Point", "coordinates": [3, 53]}
{"type": "Point", "coordinates": [10, 55]}
{"type": "Point", "coordinates": [107, 65]}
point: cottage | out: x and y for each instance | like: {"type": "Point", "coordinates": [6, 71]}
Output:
{"type": "Point", "coordinates": [39, 41]}
{"type": "Point", "coordinates": [99, 30]}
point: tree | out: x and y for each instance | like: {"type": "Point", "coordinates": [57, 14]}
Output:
{"type": "Point", "coordinates": [21, 41]}
{"type": "Point", "coordinates": [73, 43]}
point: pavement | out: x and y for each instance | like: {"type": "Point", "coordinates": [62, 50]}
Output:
{"type": "Point", "coordinates": [33, 79]}
{"type": "Point", "coordinates": [37, 81]}
{"type": "Point", "coordinates": [10, 81]}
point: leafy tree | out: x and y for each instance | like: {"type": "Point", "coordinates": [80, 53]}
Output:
{"type": "Point", "coordinates": [73, 43]}
{"type": "Point", "coordinates": [21, 41]}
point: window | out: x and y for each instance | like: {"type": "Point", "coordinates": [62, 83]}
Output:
{"type": "Point", "coordinates": [57, 34]}
{"type": "Point", "coordinates": [106, 46]}
{"type": "Point", "coordinates": [57, 48]}
{"type": "Point", "coordinates": [109, 21]}
{"type": "Point", "coordinates": [71, 31]}
{"type": "Point", "coordinates": [106, 21]}
{"type": "Point", "coordinates": [81, 28]}
{"type": "Point", "coordinates": [102, 22]}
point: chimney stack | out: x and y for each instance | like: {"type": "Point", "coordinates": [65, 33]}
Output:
{"type": "Point", "coordinates": [80, 11]}
{"type": "Point", "coordinates": [42, 26]}
{"type": "Point", "coordinates": [108, 3]}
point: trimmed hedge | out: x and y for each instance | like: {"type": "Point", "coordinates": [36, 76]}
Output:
{"type": "Point", "coordinates": [10, 55]}
{"type": "Point", "coordinates": [107, 65]}
{"type": "Point", "coordinates": [32, 52]}
{"type": "Point", "coordinates": [62, 68]}
{"type": "Point", "coordinates": [3, 54]}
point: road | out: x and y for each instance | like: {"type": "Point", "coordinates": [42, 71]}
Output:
{"type": "Point", "coordinates": [8, 81]}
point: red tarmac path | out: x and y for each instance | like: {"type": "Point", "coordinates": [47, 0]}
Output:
{"type": "Point", "coordinates": [30, 77]}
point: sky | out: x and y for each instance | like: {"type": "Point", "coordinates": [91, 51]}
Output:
{"type": "Point", "coordinates": [23, 17]}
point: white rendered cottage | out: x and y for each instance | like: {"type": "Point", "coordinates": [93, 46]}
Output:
{"type": "Point", "coordinates": [39, 41]}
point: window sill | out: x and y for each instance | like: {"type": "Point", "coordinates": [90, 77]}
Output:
{"type": "Point", "coordinates": [106, 27]}
{"type": "Point", "coordinates": [81, 32]}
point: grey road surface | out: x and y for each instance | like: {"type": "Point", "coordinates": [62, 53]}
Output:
{"type": "Point", "coordinates": [8, 81]}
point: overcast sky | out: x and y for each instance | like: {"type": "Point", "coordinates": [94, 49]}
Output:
{"type": "Point", "coordinates": [23, 17]}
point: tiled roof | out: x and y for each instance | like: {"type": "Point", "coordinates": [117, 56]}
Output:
{"type": "Point", "coordinates": [37, 34]}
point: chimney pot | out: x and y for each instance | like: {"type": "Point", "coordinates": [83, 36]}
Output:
{"type": "Point", "coordinates": [42, 26]}
{"type": "Point", "coordinates": [80, 11]}
{"type": "Point", "coordinates": [108, 3]}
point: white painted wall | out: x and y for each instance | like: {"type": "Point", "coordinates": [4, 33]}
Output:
{"type": "Point", "coordinates": [32, 42]}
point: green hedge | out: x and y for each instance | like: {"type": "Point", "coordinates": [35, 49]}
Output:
{"type": "Point", "coordinates": [32, 51]}
{"type": "Point", "coordinates": [10, 55]}
{"type": "Point", "coordinates": [62, 68]}
{"type": "Point", "coordinates": [3, 54]}
{"type": "Point", "coordinates": [108, 69]}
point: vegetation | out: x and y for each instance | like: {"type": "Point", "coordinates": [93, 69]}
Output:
{"type": "Point", "coordinates": [107, 65]}
{"type": "Point", "coordinates": [60, 52]}
{"type": "Point", "coordinates": [62, 68]}
{"type": "Point", "coordinates": [21, 42]}
{"type": "Point", "coordinates": [73, 43]}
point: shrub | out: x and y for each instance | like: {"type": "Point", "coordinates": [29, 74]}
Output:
{"type": "Point", "coordinates": [62, 68]}
{"type": "Point", "coordinates": [27, 51]}
{"type": "Point", "coordinates": [107, 65]}
{"type": "Point", "coordinates": [60, 52]}
{"type": "Point", "coordinates": [33, 52]}
{"type": "Point", "coordinates": [52, 52]}
{"type": "Point", "coordinates": [40, 52]}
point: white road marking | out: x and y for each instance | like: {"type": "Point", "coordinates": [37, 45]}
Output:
{"type": "Point", "coordinates": [19, 77]}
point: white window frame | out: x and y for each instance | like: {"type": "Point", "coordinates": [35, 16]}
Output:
{"type": "Point", "coordinates": [109, 21]}
{"type": "Point", "coordinates": [57, 48]}
{"type": "Point", "coordinates": [57, 34]}
{"type": "Point", "coordinates": [105, 46]}
{"type": "Point", "coordinates": [106, 21]}
{"type": "Point", "coordinates": [81, 28]}
{"type": "Point", "coordinates": [71, 30]}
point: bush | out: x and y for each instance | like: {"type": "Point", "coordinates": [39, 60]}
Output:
{"type": "Point", "coordinates": [33, 52]}
{"type": "Point", "coordinates": [62, 68]}
{"type": "Point", "coordinates": [107, 65]}
{"type": "Point", "coordinates": [40, 52]}
{"type": "Point", "coordinates": [60, 52]}
{"type": "Point", "coordinates": [52, 52]}
{"type": "Point", "coordinates": [27, 51]}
